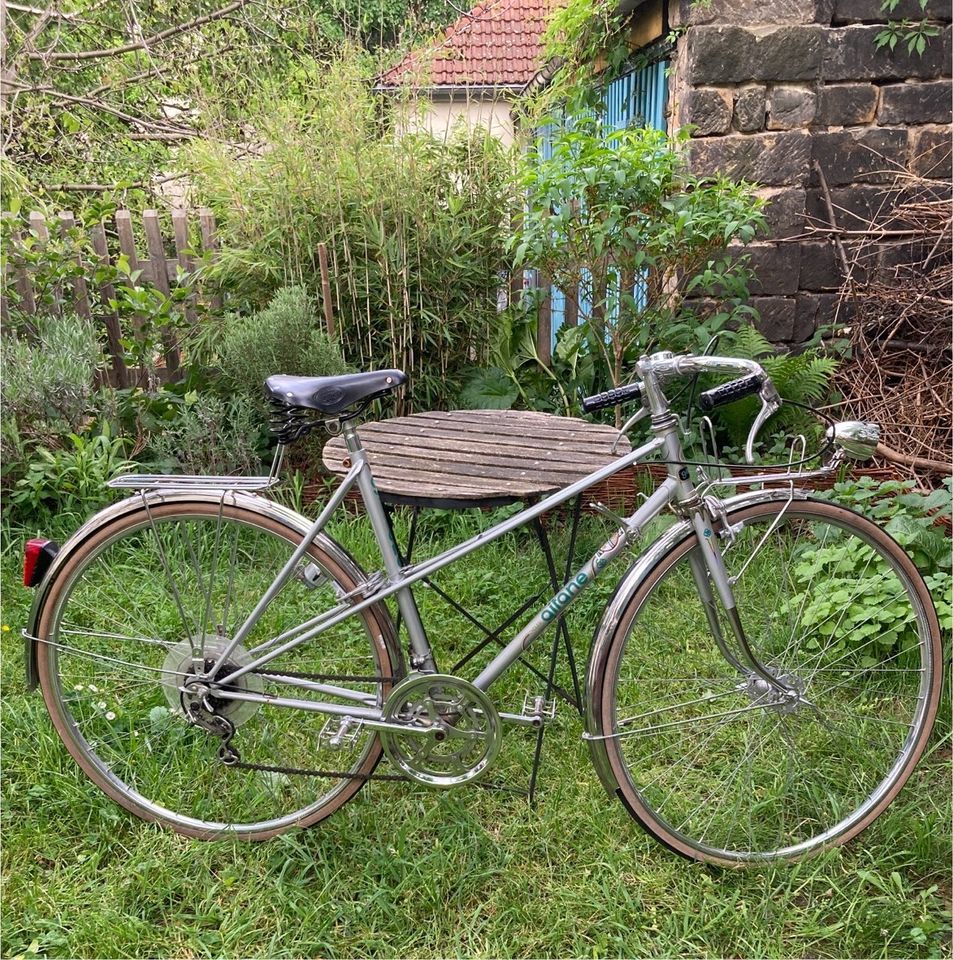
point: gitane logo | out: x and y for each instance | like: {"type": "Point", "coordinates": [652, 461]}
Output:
{"type": "Point", "coordinates": [564, 596]}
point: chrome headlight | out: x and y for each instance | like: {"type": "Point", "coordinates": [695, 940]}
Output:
{"type": "Point", "coordinates": [858, 439]}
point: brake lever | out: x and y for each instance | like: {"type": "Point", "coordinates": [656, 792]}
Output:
{"type": "Point", "coordinates": [770, 404]}
{"type": "Point", "coordinates": [627, 426]}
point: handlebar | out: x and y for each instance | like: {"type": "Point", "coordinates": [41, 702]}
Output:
{"type": "Point", "coordinates": [663, 366]}
{"type": "Point", "coordinates": [611, 398]}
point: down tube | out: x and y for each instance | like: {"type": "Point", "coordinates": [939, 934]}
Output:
{"type": "Point", "coordinates": [553, 610]}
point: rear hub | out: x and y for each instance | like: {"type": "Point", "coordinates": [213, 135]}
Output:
{"type": "Point", "coordinates": [200, 700]}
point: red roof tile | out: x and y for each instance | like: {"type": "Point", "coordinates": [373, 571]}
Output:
{"type": "Point", "coordinates": [499, 42]}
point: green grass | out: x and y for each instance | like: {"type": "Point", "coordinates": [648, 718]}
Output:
{"type": "Point", "coordinates": [402, 871]}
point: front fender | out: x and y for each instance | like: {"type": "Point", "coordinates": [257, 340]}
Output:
{"type": "Point", "coordinates": [627, 588]}
{"type": "Point", "coordinates": [117, 511]}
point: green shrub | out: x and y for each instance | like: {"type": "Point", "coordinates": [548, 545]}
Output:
{"type": "Point", "coordinates": [214, 437]}
{"type": "Point", "coordinates": [413, 226]}
{"type": "Point", "coordinates": [625, 231]}
{"type": "Point", "coordinates": [48, 388]}
{"type": "Point", "coordinates": [911, 519]}
{"type": "Point", "coordinates": [72, 479]}
{"type": "Point", "coordinates": [285, 337]}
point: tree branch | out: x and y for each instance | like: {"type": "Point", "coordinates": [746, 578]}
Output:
{"type": "Point", "coordinates": [922, 463]}
{"type": "Point", "coordinates": [168, 128]}
{"type": "Point", "coordinates": [145, 42]}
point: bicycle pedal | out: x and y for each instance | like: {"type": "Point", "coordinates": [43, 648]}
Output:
{"type": "Point", "coordinates": [539, 708]}
{"type": "Point", "coordinates": [340, 732]}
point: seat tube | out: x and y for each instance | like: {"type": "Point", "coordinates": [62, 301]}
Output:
{"type": "Point", "coordinates": [421, 654]}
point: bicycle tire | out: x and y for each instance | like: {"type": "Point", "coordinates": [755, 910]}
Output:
{"type": "Point", "coordinates": [671, 763]}
{"type": "Point", "coordinates": [97, 700]}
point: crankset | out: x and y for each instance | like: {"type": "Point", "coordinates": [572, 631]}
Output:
{"type": "Point", "coordinates": [466, 729]}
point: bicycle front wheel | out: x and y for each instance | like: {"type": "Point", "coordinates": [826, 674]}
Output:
{"type": "Point", "coordinates": [156, 597]}
{"type": "Point", "coordinates": [717, 763]}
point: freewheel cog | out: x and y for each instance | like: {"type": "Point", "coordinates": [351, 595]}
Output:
{"type": "Point", "coordinates": [180, 667]}
{"type": "Point", "coordinates": [464, 730]}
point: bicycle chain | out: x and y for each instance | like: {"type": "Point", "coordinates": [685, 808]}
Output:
{"type": "Point", "coordinates": [345, 677]}
{"type": "Point", "coordinates": [230, 756]}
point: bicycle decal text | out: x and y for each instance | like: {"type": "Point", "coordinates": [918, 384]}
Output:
{"type": "Point", "coordinates": [564, 596]}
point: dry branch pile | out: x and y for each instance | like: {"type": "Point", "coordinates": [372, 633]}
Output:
{"type": "Point", "coordinates": [897, 302]}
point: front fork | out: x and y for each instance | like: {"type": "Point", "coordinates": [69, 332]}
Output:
{"type": "Point", "coordinates": [708, 566]}
{"type": "Point", "coordinates": [708, 569]}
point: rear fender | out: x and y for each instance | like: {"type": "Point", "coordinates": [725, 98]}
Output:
{"type": "Point", "coordinates": [117, 511]}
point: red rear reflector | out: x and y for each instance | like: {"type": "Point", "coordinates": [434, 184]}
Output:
{"type": "Point", "coordinates": [33, 569]}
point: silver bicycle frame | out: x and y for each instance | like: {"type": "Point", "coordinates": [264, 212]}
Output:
{"type": "Point", "coordinates": [709, 572]}
{"type": "Point", "coordinates": [397, 581]}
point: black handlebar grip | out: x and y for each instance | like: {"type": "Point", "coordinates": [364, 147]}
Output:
{"type": "Point", "coordinates": [731, 391]}
{"type": "Point", "coordinates": [611, 398]}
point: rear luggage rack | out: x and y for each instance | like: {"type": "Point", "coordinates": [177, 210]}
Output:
{"type": "Point", "coordinates": [185, 481]}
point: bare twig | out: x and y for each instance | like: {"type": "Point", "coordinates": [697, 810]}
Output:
{"type": "Point", "coordinates": [829, 204]}
{"type": "Point", "coordinates": [142, 44]}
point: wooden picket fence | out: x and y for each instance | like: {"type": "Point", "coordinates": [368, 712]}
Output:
{"type": "Point", "coordinates": [164, 257]}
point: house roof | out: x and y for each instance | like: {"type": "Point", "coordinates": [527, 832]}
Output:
{"type": "Point", "coordinates": [497, 44]}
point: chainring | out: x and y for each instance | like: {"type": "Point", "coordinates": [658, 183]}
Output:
{"type": "Point", "coordinates": [179, 667]}
{"type": "Point", "coordinates": [466, 730]}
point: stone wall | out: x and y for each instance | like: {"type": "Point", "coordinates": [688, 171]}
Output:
{"type": "Point", "coordinates": [773, 87]}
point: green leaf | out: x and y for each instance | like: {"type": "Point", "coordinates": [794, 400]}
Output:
{"type": "Point", "coordinates": [489, 389]}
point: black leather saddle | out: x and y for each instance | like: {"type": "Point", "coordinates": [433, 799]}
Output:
{"type": "Point", "coordinates": [333, 395]}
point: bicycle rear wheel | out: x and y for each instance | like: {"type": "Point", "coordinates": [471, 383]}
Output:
{"type": "Point", "coordinates": [710, 759]}
{"type": "Point", "coordinates": [120, 628]}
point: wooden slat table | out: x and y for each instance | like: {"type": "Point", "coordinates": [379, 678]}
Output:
{"type": "Point", "coordinates": [477, 458]}
{"type": "Point", "coordinates": [466, 459]}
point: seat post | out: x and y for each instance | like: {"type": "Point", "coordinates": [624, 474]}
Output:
{"type": "Point", "coordinates": [351, 438]}
{"type": "Point", "coordinates": [422, 655]}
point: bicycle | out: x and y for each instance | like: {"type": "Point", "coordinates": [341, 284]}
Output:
{"type": "Point", "coordinates": [198, 645]}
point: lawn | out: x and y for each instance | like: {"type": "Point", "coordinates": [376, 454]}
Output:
{"type": "Point", "coordinates": [403, 871]}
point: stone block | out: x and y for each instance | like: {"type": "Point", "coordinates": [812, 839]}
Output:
{"type": "Point", "coordinates": [854, 206]}
{"type": "Point", "coordinates": [731, 54]}
{"type": "Point", "coordinates": [852, 55]}
{"type": "Point", "coordinates": [772, 159]}
{"type": "Point", "coordinates": [707, 109]}
{"type": "Point", "coordinates": [824, 11]}
{"type": "Point", "coordinates": [905, 256]}
{"type": "Point", "coordinates": [790, 53]}
{"type": "Point", "coordinates": [776, 317]}
{"type": "Point", "coordinates": [846, 105]}
{"type": "Point", "coordinates": [692, 13]}
{"type": "Point", "coordinates": [870, 155]}
{"type": "Point", "coordinates": [915, 103]}
{"type": "Point", "coordinates": [791, 107]}
{"type": "Point", "coordinates": [930, 152]}
{"type": "Point", "coordinates": [750, 108]}
{"type": "Point", "coordinates": [815, 310]}
{"type": "Point", "coordinates": [784, 212]}
{"type": "Point", "coordinates": [774, 267]}
{"type": "Point", "coordinates": [852, 11]}
{"type": "Point", "coordinates": [820, 268]}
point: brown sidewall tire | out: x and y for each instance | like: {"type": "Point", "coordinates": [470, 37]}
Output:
{"type": "Point", "coordinates": [603, 709]}
{"type": "Point", "coordinates": [378, 626]}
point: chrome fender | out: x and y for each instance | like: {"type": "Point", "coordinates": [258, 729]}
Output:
{"type": "Point", "coordinates": [116, 511]}
{"type": "Point", "coordinates": [626, 590]}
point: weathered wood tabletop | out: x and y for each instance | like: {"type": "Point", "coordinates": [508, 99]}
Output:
{"type": "Point", "coordinates": [478, 458]}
